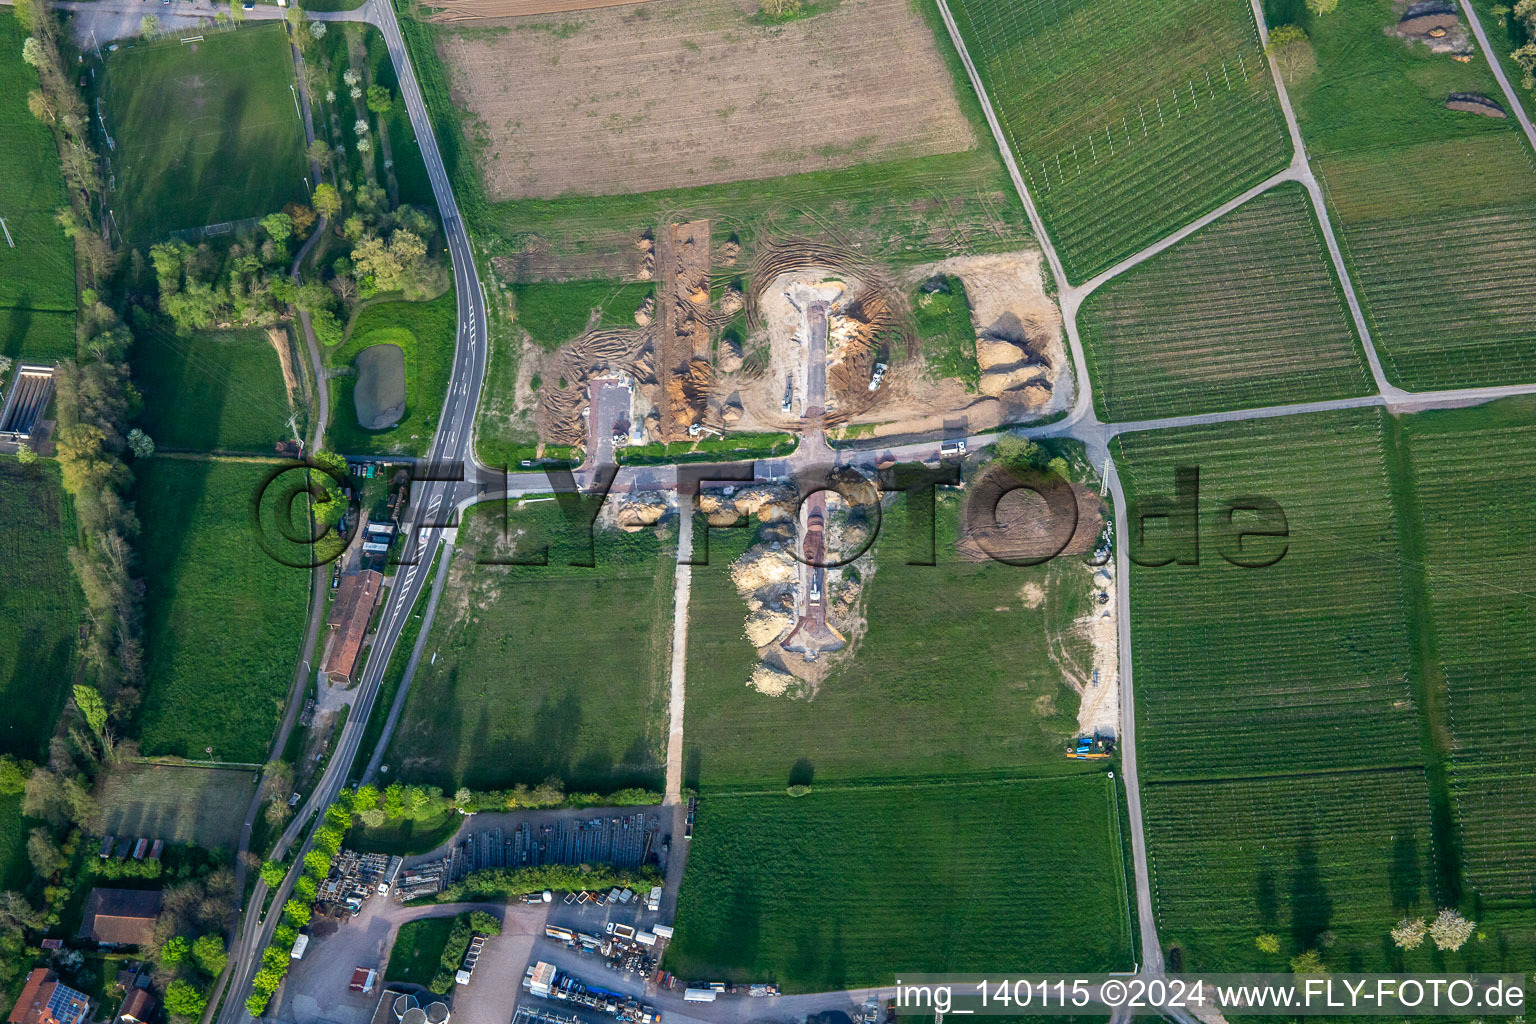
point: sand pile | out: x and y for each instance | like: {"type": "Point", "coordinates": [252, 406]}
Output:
{"type": "Point", "coordinates": [765, 626]}
{"type": "Point", "coordinates": [771, 681]}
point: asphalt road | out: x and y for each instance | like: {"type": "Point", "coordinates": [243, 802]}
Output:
{"type": "Point", "coordinates": [435, 501]}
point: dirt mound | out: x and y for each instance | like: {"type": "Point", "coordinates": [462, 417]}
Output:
{"type": "Point", "coordinates": [1026, 526]}
{"type": "Point", "coordinates": [688, 392]}
{"type": "Point", "coordinates": [1474, 103]}
{"type": "Point", "coordinates": [765, 626]}
{"type": "Point", "coordinates": [635, 512]}
{"type": "Point", "coordinates": [772, 681]}
{"type": "Point", "coordinates": [763, 567]}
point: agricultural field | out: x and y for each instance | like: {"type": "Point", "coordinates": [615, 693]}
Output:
{"type": "Point", "coordinates": [211, 391]}
{"type": "Point", "coordinates": [178, 803]}
{"type": "Point", "coordinates": [1302, 664]}
{"type": "Point", "coordinates": [1127, 120]}
{"type": "Point", "coordinates": [929, 692]}
{"type": "Point", "coordinates": [1436, 208]}
{"type": "Point", "coordinates": [205, 132]}
{"type": "Point", "coordinates": [1245, 312]}
{"type": "Point", "coordinates": [426, 333]}
{"type": "Point", "coordinates": [903, 879]}
{"type": "Point", "coordinates": [1294, 856]}
{"type": "Point", "coordinates": [222, 620]}
{"type": "Point", "coordinates": [37, 273]}
{"type": "Point", "coordinates": [1472, 471]}
{"type": "Point", "coordinates": [911, 210]}
{"type": "Point", "coordinates": [536, 671]}
{"type": "Point", "coordinates": [40, 605]}
{"type": "Point", "coordinates": [693, 92]}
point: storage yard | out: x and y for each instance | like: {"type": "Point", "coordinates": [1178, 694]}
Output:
{"type": "Point", "coordinates": [624, 840]}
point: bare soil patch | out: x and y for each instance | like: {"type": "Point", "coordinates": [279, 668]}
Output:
{"type": "Point", "coordinates": [676, 93]}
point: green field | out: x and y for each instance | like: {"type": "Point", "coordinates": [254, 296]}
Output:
{"type": "Point", "coordinates": [210, 391]}
{"type": "Point", "coordinates": [1436, 209]}
{"type": "Point", "coordinates": [40, 605]}
{"type": "Point", "coordinates": [426, 332]}
{"type": "Point", "coordinates": [37, 275]}
{"type": "Point", "coordinates": [948, 335]}
{"type": "Point", "coordinates": [553, 314]}
{"type": "Point", "coordinates": [1245, 312]}
{"type": "Point", "coordinates": [1128, 120]}
{"type": "Point", "coordinates": [1302, 664]}
{"type": "Point", "coordinates": [1473, 471]}
{"type": "Point", "coordinates": [205, 132]}
{"type": "Point", "coordinates": [418, 950]}
{"type": "Point", "coordinates": [929, 694]}
{"type": "Point", "coordinates": [178, 803]}
{"type": "Point", "coordinates": [222, 620]}
{"type": "Point", "coordinates": [847, 888]}
{"type": "Point", "coordinates": [533, 671]}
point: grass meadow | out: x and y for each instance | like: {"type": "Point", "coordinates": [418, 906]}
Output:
{"type": "Point", "coordinates": [205, 132]}
{"type": "Point", "coordinates": [426, 332]}
{"type": "Point", "coordinates": [930, 693]}
{"type": "Point", "coordinates": [1244, 313]}
{"type": "Point", "coordinates": [1436, 209]}
{"type": "Point", "coordinates": [222, 619]}
{"type": "Point", "coordinates": [903, 879]}
{"type": "Point", "coordinates": [15, 871]}
{"type": "Point", "coordinates": [1127, 120]}
{"type": "Point", "coordinates": [210, 391]}
{"type": "Point", "coordinates": [37, 274]}
{"type": "Point", "coordinates": [534, 671]}
{"type": "Point", "coordinates": [40, 605]}
{"type": "Point", "coordinates": [1472, 471]}
{"type": "Point", "coordinates": [178, 803]}
{"type": "Point", "coordinates": [553, 314]}
{"type": "Point", "coordinates": [944, 325]}
{"type": "Point", "coordinates": [417, 954]}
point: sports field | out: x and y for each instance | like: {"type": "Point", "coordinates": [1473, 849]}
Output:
{"type": "Point", "coordinates": [1019, 875]}
{"type": "Point", "coordinates": [222, 620]}
{"type": "Point", "coordinates": [1246, 312]}
{"type": "Point", "coordinates": [211, 391]}
{"type": "Point", "coordinates": [37, 272]}
{"type": "Point", "coordinates": [929, 694]}
{"type": "Point", "coordinates": [1436, 208]}
{"type": "Point", "coordinates": [1127, 119]}
{"type": "Point", "coordinates": [1472, 473]}
{"type": "Point", "coordinates": [40, 605]}
{"type": "Point", "coordinates": [426, 333]}
{"type": "Point", "coordinates": [177, 803]}
{"type": "Point", "coordinates": [1299, 666]}
{"type": "Point", "coordinates": [533, 671]}
{"type": "Point", "coordinates": [205, 132]}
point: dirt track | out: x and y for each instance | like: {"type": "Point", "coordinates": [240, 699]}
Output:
{"type": "Point", "coordinates": [678, 93]}
{"type": "Point", "coordinates": [461, 10]}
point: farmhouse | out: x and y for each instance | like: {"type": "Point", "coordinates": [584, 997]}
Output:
{"type": "Point", "coordinates": [44, 1000]}
{"type": "Point", "coordinates": [349, 623]}
{"type": "Point", "coordinates": [121, 917]}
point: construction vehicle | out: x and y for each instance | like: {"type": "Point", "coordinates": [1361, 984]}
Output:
{"type": "Point", "coordinates": [1091, 748]}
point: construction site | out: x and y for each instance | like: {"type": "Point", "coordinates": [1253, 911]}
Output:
{"type": "Point", "coordinates": [726, 346]}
